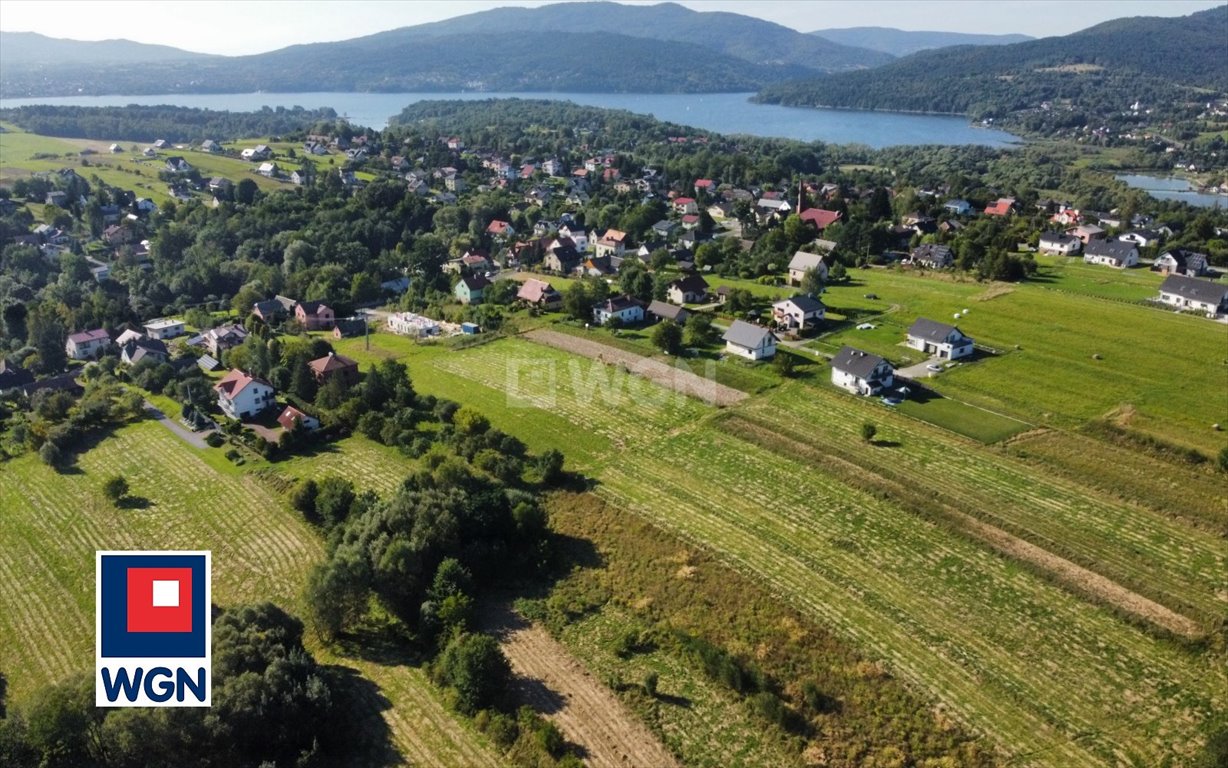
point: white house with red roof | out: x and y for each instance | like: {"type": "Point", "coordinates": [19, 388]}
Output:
{"type": "Point", "coordinates": [241, 396]}
{"type": "Point", "coordinates": [685, 205]}
{"type": "Point", "coordinates": [292, 418]}
{"type": "Point", "coordinates": [85, 345]}
{"type": "Point", "coordinates": [704, 185]}
{"type": "Point", "coordinates": [500, 229]}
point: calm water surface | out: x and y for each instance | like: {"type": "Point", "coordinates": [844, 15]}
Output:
{"type": "Point", "coordinates": [729, 113]}
{"type": "Point", "coordinates": [1172, 188]}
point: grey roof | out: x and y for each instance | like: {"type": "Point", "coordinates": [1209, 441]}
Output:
{"type": "Point", "coordinates": [931, 330]}
{"type": "Point", "coordinates": [806, 303]}
{"type": "Point", "coordinates": [1058, 237]}
{"type": "Point", "coordinates": [1113, 249]}
{"type": "Point", "coordinates": [804, 261]}
{"type": "Point", "coordinates": [854, 361]}
{"type": "Point", "coordinates": [619, 303]}
{"type": "Point", "coordinates": [935, 254]}
{"type": "Point", "coordinates": [1194, 289]}
{"type": "Point", "coordinates": [745, 334]}
{"type": "Point", "coordinates": [690, 284]}
{"type": "Point", "coordinates": [1187, 259]}
{"type": "Point", "coordinates": [208, 363]}
{"type": "Point", "coordinates": [667, 311]}
{"type": "Point", "coordinates": [474, 282]}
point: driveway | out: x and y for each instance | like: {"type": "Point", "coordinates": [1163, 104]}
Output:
{"type": "Point", "coordinates": [194, 439]}
{"type": "Point", "coordinates": [919, 371]}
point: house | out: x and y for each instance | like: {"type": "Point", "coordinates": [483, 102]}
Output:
{"type": "Point", "coordinates": [167, 328]}
{"type": "Point", "coordinates": [395, 286]}
{"type": "Point", "coordinates": [208, 363]}
{"type": "Point", "coordinates": [1180, 261]}
{"type": "Point", "coordinates": [164, 144]}
{"type": "Point", "coordinates": [578, 237]}
{"type": "Point", "coordinates": [561, 257]}
{"type": "Point", "coordinates": [753, 342]}
{"type": "Point", "coordinates": [932, 256]}
{"type": "Point", "coordinates": [539, 293]}
{"type": "Point", "coordinates": [314, 315]}
{"type": "Point", "coordinates": [259, 152]}
{"type": "Point", "coordinates": [334, 366]}
{"type": "Point", "coordinates": [612, 243]}
{"type": "Point", "coordinates": [940, 339]}
{"type": "Point", "coordinates": [65, 382]}
{"type": "Point", "coordinates": [127, 337]}
{"type": "Point", "coordinates": [275, 309]}
{"type": "Point", "coordinates": [292, 418]}
{"type": "Point", "coordinates": [241, 396]}
{"type": "Point", "coordinates": [660, 310]}
{"type": "Point", "coordinates": [626, 309]}
{"type": "Point", "coordinates": [220, 185]}
{"type": "Point", "coordinates": [798, 313]}
{"type": "Point", "coordinates": [819, 218]}
{"type": "Point", "coordinates": [348, 328]}
{"type": "Point", "coordinates": [721, 210]}
{"type": "Point", "coordinates": [208, 145]}
{"type": "Point", "coordinates": [499, 228]}
{"type": "Point", "coordinates": [664, 229]}
{"type": "Point", "coordinates": [269, 170]}
{"type": "Point", "coordinates": [469, 289]}
{"type": "Point", "coordinates": [860, 372]}
{"type": "Point", "coordinates": [687, 290]}
{"type": "Point", "coordinates": [177, 165]}
{"type": "Point", "coordinates": [1191, 293]}
{"type": "Point", "coordinates": [802, 262]}
{"type": "Point", "coordinates": [85, 345]}
{"type": "Point", "coordinates": [224, 337]}
{"type": "Point", "coordinates": [685, 205]}
{"type": "Point", "coordinates": [1086, 233]}
{"type": "Point", "coordinates": [144, 349]}
{"type": "Point", "coordinates": [57, 198]}
{"type": "Point", "coordinates": [13, 377]}
{"type": "Point", "coordinates": [1059, 243]}
{"type": "Point", "coordinates": [1143, 238]}
{"type": "Point", "coordinates": [1003, 206]}
{"type": "Point", "coordinates": [722, 294]}
{"type": "Point", "coordinates": [1113, 253]}
{"type": "Point", "coordinates": [599, 266]}
{"type": "Point", "coordinates": [704, 186]}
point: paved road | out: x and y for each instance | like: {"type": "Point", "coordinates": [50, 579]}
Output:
{"type": "Point", "coordinates": [194, 439]}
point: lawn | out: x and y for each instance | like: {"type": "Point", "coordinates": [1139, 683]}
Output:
{"type": "Point", "coordinates": [961, 418]}
{"type": "Point", "coordinates": [51, 524]}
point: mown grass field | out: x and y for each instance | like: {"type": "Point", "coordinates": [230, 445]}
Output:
{"type": "Point", "coordinates": [51, 524]}
{"type": "Point", "coordinates": [1054, 678]}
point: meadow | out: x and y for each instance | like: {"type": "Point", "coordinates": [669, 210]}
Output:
{"type": "Point", "coordinates": [949, 615]}
{"type": "Point", "coordinates": [181, 498]}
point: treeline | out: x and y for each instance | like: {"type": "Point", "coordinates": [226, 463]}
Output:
{"type": "Point", "coordinates": [150, 123]}
{"type": "Point", "coordinates": [273, 705]}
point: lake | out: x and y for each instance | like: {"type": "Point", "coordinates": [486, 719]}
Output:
{"type": "Point", "coordinates": [729, 113]}
{"type": "Point", "coordinates": [1173, 188]}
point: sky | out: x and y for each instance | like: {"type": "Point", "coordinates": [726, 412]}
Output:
{"type": "Point", "coordinates": [235, 27]}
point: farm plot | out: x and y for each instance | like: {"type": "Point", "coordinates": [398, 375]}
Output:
{"type": "Point", "coordinates": [1050, 678]}
{"type": "Point", "coordinates": [1181, 567]}
{"type": "Point", "coordinates": [367, 463]}
{"type": "Point", "coordinates": [51, 524]}
{"type": "Point", "coordinates": [562, 399]}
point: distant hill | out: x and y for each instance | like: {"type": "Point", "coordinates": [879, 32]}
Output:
{"type": "Point", "coordinates": [19, 49]}
{"type": "Point", "coordinates": [568, 46]}
{"type": "Point", "coordinates": [899, 42]}
{"type": "Point", "coordinates": [1101, 69]}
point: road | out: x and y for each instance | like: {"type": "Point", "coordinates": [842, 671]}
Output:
{"type": "Point", "coordinates": [194, 439]}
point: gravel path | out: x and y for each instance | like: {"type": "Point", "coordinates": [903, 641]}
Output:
{"type": "Point", "coordinates": [196, 440]}
{"type": "Point", "coordinates": [657, 371]}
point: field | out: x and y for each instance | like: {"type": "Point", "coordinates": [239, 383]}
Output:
{"type": "Point", "coordinates": [127, 170]}
{"type": "Point", "coordinates": [947, 613]}
{"type": "Point", "coordinates": [183, 499]}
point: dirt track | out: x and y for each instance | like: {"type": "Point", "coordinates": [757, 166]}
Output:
{"type": "Point", "coordinates": [557, 685]}
{"type": "Point", "coordinates": [657, 371]}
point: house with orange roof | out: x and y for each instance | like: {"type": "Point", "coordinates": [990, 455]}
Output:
{"type": "Point", "coordinates": [241, 396]}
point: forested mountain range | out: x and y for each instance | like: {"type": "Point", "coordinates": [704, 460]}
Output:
{"type": "Point", "coordinates": [25, 49]}
{"type": "Point", "coordinates": [603, 47]}
{"type": "Point", "coordinates": [900, 42]}
{"type": "Point", "coordinates": [1105, 67]}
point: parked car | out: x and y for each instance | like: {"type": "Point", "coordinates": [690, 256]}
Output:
{"type": "Point", "coordinates": [934, 367]}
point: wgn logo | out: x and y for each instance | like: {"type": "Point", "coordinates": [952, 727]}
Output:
{"type": "Point", "coordinates": [153, 632]}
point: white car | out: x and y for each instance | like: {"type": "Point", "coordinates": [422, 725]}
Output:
{"type": "Point", "coordinates": [934, 367]}
{"type": "Point", "coordinates": [866, 327]}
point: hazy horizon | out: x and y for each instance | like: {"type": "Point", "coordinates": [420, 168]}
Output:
{"type": "Point", "coordinates": [206, 26]}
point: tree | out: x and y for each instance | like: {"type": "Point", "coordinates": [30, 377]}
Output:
{"type": "Point", "coordinates": [837, 273]}
{"type": "Point", "coordinates": [115, 488]}
{"type": "Point", "coordinates": [868, 431]}
{"type": "Point", "coordinates": [245, 192]}
{"type": "Point", "coordinates": [698, 332]}
{"type": "Point", "coordinates": [475, 667]}
{"type": "Point", "coordinates": [784, 363]}
{"type": "Point", "coordinates": [812, 282]}
{"type": "Point", "coordinates": [667, 336]}
{"type": "Point", "coordinates": [47, 337]}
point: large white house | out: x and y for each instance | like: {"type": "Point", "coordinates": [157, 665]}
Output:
{"type": "Point", "coordinates": [87, 344]}
{"type": "Point", "coordinates": [1180, 261]}
{"type": "Point", "coordinates": [626, 309]}
{"type": "Point", "coordinates": [750, 341]}
{"type": "Point", "coordinates": [166, 328]}
{"type": "Point", "coordinates": [1190, 293]}
{"type": "Point", "coordinates": [1059, 243]}
{"type": "Point", "coordinates": [1112, 253]}
{"type": "Point", "coordinates": [801, 311]}
{"type": "Point", "coordinates": [860, 372]}
{"type": "Point", "coordinates": [241, 396]}
{"type": "Point", "coordinates": [933, 338]}
{"type": "Point", "coordinates": [687, 290]}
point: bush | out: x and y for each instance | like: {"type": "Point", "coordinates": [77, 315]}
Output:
{"type": "Point", "coordinates": [214, 439]}
{"type": "Point", "coordinates": [115, 487]}
{"type": "Point", "coordinates": [650, 683]}
{"type": "Point", "coordinates": [868, 431]}
{"type": "Point", "coordinates": [475, 667]}
{"type": "Point", "coordinates": [50, 454]}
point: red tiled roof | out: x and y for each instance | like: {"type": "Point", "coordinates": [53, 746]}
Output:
{"type": "Point", "coordinates": [235, 382]}
{"type": "Point", "coordinates": [820, 218]}
{"type": "Point", "coordinates": [331, 362]}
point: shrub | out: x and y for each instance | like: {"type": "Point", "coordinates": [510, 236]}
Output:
{"type": "Point", "coordinates": [214, 439]}
{"type": "Point", "coordinates": [115, 487]}
{"type": "Point", "coordinates": [868, 431]}
{"type": "Point", "coordinates": [650, 683]}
